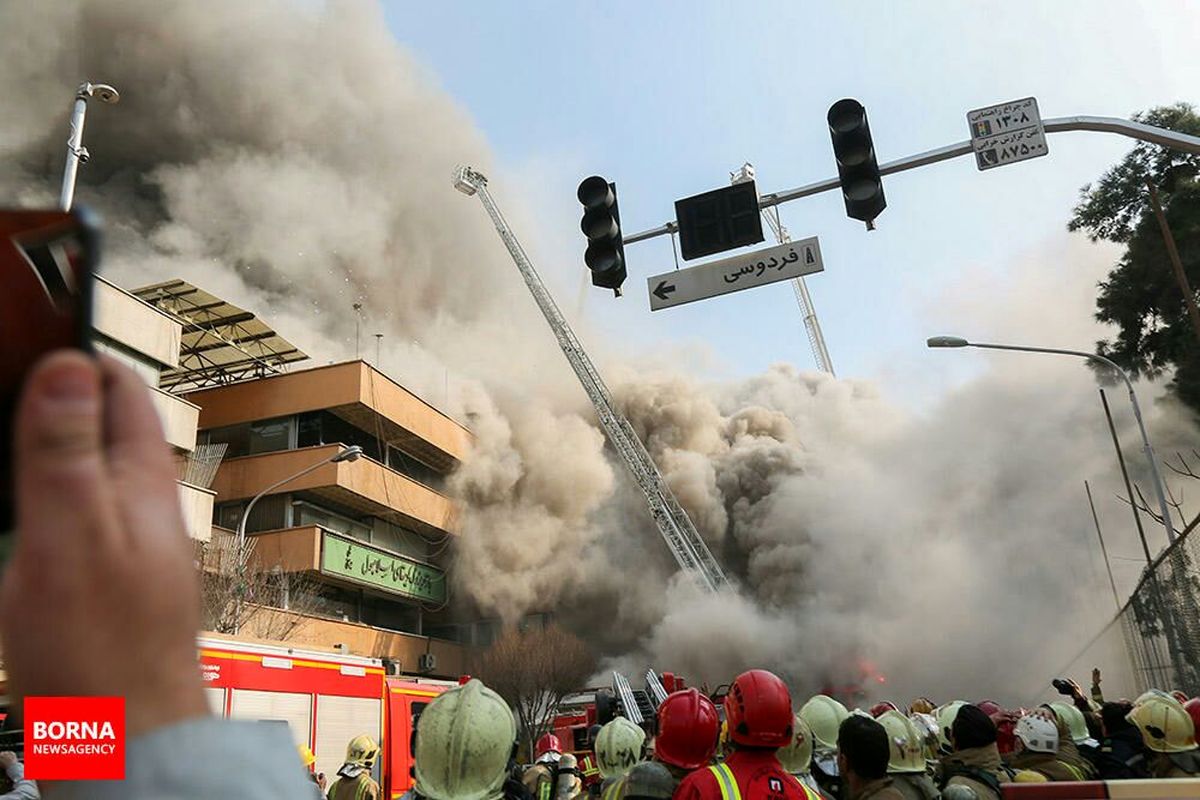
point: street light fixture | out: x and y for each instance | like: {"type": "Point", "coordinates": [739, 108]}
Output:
{"type": "Point", "coordinates": [76, 153]}
{"type": "Point", "coordinates": [350, 453]}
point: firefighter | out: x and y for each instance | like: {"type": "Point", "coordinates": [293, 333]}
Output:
{"type": "Point", "coordinates": [906, 757]}
{"type": "Point", "coordinates": [1037, 750]}
{"type": "Point", "coordinates": [863, 755]}
{"type": "Point", "coordinates": [588, 766]}
{"type": "Point", "coordinates": [1170, 735]}
{"type": "Point", "coordinates": [540, 778]}
{"type": "Point", "coordinates": [308, 759]}
{"type": "Point", "coordinates": [824, 716]}
{"type": "Point", "coordinates": [354, 780]}
{"type": "Point", "coordinates": [687, 738]}
{"type": "Point", "coordinates": [618, 748]}
{"type": "Point", "coordinates": [13, 785]}
{"type": "Point", "coordinates": [758, 710]}
{"type": "Point", "coordinates": [469, 720]}
{"type": "Point", "coordinates": [1075, 745]}
{"type": "Point", "coordinates": [974, 761]}
{"type": "Point", "coordinates": [568, 780]}
{"type": "Point", "coordinates": [796, 757]}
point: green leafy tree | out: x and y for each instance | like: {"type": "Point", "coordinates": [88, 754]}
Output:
{"type": "Point", "coordinates": [1141, 296]}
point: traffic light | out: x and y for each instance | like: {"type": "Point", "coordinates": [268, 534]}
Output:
{"type": "Point", "coordinates": [601, 224]}
{"type": "Point", "coordinates": [862, 187]}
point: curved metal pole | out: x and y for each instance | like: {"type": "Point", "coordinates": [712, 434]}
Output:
{"type": "Point", "coordinates": [1124, 127]}
{"type": "Point", "coordinates": [347, 453]}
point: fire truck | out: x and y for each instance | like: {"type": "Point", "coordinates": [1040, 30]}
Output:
{"type": "Point", "coordinates": [324, 698]}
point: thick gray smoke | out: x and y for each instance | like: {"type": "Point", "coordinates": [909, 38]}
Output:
{"type": "Point", "coordinates": [293, 158]}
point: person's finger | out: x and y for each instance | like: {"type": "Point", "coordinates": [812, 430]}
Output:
{"type": "Point", "coordinates": [140, 466]}
{"type": "Point", "coordinates": [61, 477]}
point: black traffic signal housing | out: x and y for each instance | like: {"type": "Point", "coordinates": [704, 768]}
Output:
{"type": "Point", "coordinates": [601, 224]}
{"type": "Point", "coordinates": [720, 220]}
{"type": "Point", "coordinates": [862, 185]}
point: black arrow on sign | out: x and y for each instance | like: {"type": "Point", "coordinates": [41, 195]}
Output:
{"type": "Point", "coordinates": [663, 290]}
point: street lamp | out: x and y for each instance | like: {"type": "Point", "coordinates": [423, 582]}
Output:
{"type": "Point", "coordinates": [350, 453]}
{"type": "Point", "coordinates": [76, 153]}
{"type": "Point", "coordinates": [1159, 489]}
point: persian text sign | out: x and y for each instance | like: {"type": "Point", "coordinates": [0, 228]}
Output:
{"type": "Point", "coordinates": [1007, 133]}
{"type": "Point", "coordinates": [75, 738]}
{"type": "Point", "coordinates": [746, 271]}
{"type": "Point", "coordinates": [371, 566]}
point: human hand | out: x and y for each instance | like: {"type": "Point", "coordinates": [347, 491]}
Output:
{"type": "Point", "coordinates": [1095, 676]}
{"type": "Point", "coordinates": [100, 595]}
{"type": "Point", "coordinates": [7, 759]}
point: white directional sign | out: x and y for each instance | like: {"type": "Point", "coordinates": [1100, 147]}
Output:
{"type": "Point", "coordinates": [1007, 133]}
{"type": "Point", "coordinates": [746, 271]}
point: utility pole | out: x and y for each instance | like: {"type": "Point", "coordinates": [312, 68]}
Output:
{"type": "Point", "coordinates": [1103, 549]}
{"type": "Point", "coordinates": [357, 325]}
{"type": "Point", "coordinates": [1189, 297]}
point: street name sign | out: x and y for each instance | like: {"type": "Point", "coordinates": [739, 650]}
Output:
{"type": "Point", "coordinates": [780, 263]}
{"type": "Point", "coordinates": [1007, 133]}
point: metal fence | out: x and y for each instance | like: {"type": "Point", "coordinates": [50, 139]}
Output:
{"type": "Point", "coordinates": [1161, 620]}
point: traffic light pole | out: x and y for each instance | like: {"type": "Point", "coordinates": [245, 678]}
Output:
{"type": "Point", "coordinates": [1124, 127]}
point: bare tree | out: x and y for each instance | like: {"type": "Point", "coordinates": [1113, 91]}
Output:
{"type": "Point", "coordinates": [534, 670]}
{"type": "Point", "coordinates": [236, 593]}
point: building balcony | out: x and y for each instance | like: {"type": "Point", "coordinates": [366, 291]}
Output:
{"type": "Point", "coordinates": [343, 559]}
{"type": "Point", "coordinates": [179, 419]}
{"type": "Point", "coordinates": [353, 391]}
{"type": "Point", "coordinates": [365, 486]}
{"type": "Point", "coordinates": [197, 507]}
{"type": "Point", "coordinates": [135, 324]}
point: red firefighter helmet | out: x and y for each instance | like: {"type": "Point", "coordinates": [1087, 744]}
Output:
{"type": "Point", "coordinates": [989, 707]}
{"type": "Point", "coordinates": [687, 730]}
{"type": "Point", "coordinates": [549, 743]}
{"type": "Point", "coordinates": [758, 709]}
{"type": "Point", "coordinates": [1193, 708]}
{"type": "Point", "coordinates": [879, 709]}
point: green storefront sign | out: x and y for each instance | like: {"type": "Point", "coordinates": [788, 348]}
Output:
{"type": "Point", "coordinates": [370, 566]}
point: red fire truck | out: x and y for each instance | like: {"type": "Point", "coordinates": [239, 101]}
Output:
{"type": "Point", "coordinates": [324, 698]}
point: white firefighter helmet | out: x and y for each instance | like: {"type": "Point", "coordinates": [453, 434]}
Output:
{"type": "Point", "coordinates": [796, 755]}
{"type": "Point", "coordinates": [906, 745]}
{"type": "Point", "coordinates": [1038, 733]}
{"type": "Point", "coordinates": [824, 716]}
{"type": "Point", "coordinates": [569, 782]}
{"type": "Point", "coordinates": [464, 744]}
{"type": "Point", "coordinates": [619, 747]}
{"type": "Point", "coordinates": [1073, 718]}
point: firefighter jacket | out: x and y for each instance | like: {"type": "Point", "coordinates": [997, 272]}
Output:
{"type": "Point", "coordinates": [1175, 765]}
{"type": "Point", "coordinates": [978, 768]}
{"type": "Point", "coordinates": [1048, 764]}
{"type": "Point", "coordinates": [913, 786]}
{"type": "Point", "coordinates": [882, 789]}
{"type": "Point", "coordinates": [360, 787]}
{"type": "Point", "coordinates": [1122, 756]}
{"type": "Point", "coordinates": [539, 781]}
{"type": "Point", "coordinates": [748, 774]}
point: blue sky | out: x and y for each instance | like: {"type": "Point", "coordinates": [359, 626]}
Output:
{"type": "Point", "coordinates": [666, 98]}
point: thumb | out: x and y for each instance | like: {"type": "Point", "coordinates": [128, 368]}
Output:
{"type": "Point", "coordinates": [58, 454]}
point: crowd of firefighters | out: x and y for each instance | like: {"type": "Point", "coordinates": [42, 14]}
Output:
{"type": "Point", "coordinates": [763, 748]}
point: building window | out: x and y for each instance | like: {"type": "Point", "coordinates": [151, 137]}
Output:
{"type": "Point", "coordinates": [268, 514]}
{"type": "Point", "coordinates": [271, 435]}
{"type": "Point", "coordinates": [304, 514]}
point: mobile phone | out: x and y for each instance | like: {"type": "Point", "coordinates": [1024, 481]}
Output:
{"type": "Point", "coordinates": [1062, 686]}
{"type": "Point", "coordinates": [47, 260]}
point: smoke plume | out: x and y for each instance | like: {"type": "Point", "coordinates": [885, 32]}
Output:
{"type": "Point", "coordinates": [294, 159]}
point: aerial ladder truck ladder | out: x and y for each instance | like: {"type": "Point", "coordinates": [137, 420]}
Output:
{"type": "Point", "coordinates": [677, 530]}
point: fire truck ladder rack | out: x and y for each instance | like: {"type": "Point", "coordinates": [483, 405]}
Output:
{"type": "Point", "coordinates": [654, 687]}
{"type": "Point", "coordinates": [685, 543]}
